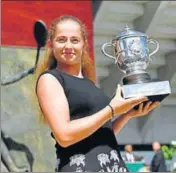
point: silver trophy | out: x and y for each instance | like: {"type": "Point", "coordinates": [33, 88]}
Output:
{"type": "Point", "coordinates": [132, 55]}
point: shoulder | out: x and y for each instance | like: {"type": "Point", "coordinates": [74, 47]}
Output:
{"type": "Point", "coordinates": [49, 80]}
{"type": "Point", "coordinates": [55, 73]}
{"type": "Point", "coordinates": [160, 153]}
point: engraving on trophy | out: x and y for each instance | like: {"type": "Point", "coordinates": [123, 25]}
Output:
{"type": "Point", "coordinates": [135, 47]}
{"type": "Point", "coordinates": [152, 88]}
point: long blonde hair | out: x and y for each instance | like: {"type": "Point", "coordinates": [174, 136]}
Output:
{"type": "Point", "coordinates": [49, 62]}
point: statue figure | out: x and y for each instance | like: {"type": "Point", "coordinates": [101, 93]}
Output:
{"type": "Point", "coordinates": [8, 164]}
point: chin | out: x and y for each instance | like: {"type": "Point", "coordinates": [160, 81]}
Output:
{"type": "Point", "coordinates": [69, 62]}
{"type": "Point", "coordinates": [72, 60]}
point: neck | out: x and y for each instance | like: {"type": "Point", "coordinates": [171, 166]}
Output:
{"type": "Point", "coordinates": [74, 70]}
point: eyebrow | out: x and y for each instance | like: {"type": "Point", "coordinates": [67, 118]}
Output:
{"type": "Point", "coordinates": [62, 36]}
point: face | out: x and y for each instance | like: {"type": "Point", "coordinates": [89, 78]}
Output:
{"type": "Point", "coordinates": [68, 43]}
{"type": "Point", "coordinates": [156, 146]}
{"type": "Point", "coordinates": [129, 148]}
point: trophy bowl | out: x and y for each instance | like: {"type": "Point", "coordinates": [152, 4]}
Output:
{"type": "Point", "coordinates": [132, 55]}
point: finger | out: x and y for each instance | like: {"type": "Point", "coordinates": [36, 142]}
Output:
{"type": "Point", "coordinates": [122, 90]}
{"type": "Point", "coordinates": [140, 108]}
{"type": "Point", "coordinates": [154, 105]}
{"type": "Point", "coordinates": [118, 91]}
{"type": "Point", "coordinates": [136, 101]}
{"type": "Point", "coordinates": [146, 108]}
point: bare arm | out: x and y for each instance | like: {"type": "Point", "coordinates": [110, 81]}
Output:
{"type": "Point", "coordinates": [56, 111]}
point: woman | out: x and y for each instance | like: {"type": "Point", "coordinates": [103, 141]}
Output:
{"type": "Point", "coordinates": [78, 113]}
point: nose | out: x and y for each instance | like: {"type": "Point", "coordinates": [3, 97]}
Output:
{"type": "Point", "coordinates": [68, 45]}
{"type": "Point", "coordinates": [68, 49]}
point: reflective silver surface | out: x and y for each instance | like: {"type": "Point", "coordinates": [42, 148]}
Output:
{"type": "Point", "coordinates": [131, 51]}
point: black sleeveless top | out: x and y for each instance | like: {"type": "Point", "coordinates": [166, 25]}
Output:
{"type": "Point", "coordinates": [98, 152]}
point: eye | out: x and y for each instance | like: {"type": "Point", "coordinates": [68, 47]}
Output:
{"type": "Point", "coordinates": [75, 40]}
{"type": "Point", "coordinates": [61, 40]}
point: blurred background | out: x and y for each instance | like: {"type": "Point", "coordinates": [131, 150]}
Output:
{"type": "Point", "coordinates": [28, 141]}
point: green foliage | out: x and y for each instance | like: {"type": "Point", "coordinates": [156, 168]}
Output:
{"type": "Point", "coordinates": [168, 151]}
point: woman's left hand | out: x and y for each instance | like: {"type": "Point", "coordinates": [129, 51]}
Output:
{"type": "Point", "coordinates": [143, 110]}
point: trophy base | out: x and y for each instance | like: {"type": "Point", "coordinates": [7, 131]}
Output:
{"type": "Point", "coordinates": [155, 91]}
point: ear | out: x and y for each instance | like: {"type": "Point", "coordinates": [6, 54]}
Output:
{"type": "Point", "coordinates": [49, 44]}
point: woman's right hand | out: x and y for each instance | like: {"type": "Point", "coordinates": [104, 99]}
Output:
{"type": "Point", "coordinates": [121, 105]}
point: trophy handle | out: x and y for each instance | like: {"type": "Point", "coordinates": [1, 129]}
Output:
{"type": "Point", "coordinates": [157, 46]}
{"type": "Point", "coordinates": [110, 56]}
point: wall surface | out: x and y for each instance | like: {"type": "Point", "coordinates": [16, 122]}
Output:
{"type": "Point", "coordinates": [159, 125]}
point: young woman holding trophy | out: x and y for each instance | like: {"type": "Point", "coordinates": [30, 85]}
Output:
{"type": "Point", "coordinates": [77, 111]}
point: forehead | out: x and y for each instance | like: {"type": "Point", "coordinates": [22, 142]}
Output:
{"type": "Point", "coordinates": [128, 146]}
{"type": "Point", "coordinates": [68, 28]}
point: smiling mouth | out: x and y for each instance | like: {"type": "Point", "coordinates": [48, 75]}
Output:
{"type": "Point", "coordinates": [68, 54]}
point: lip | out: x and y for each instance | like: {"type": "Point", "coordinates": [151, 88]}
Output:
{"type": "Point", "coordinates": [67, 54]}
